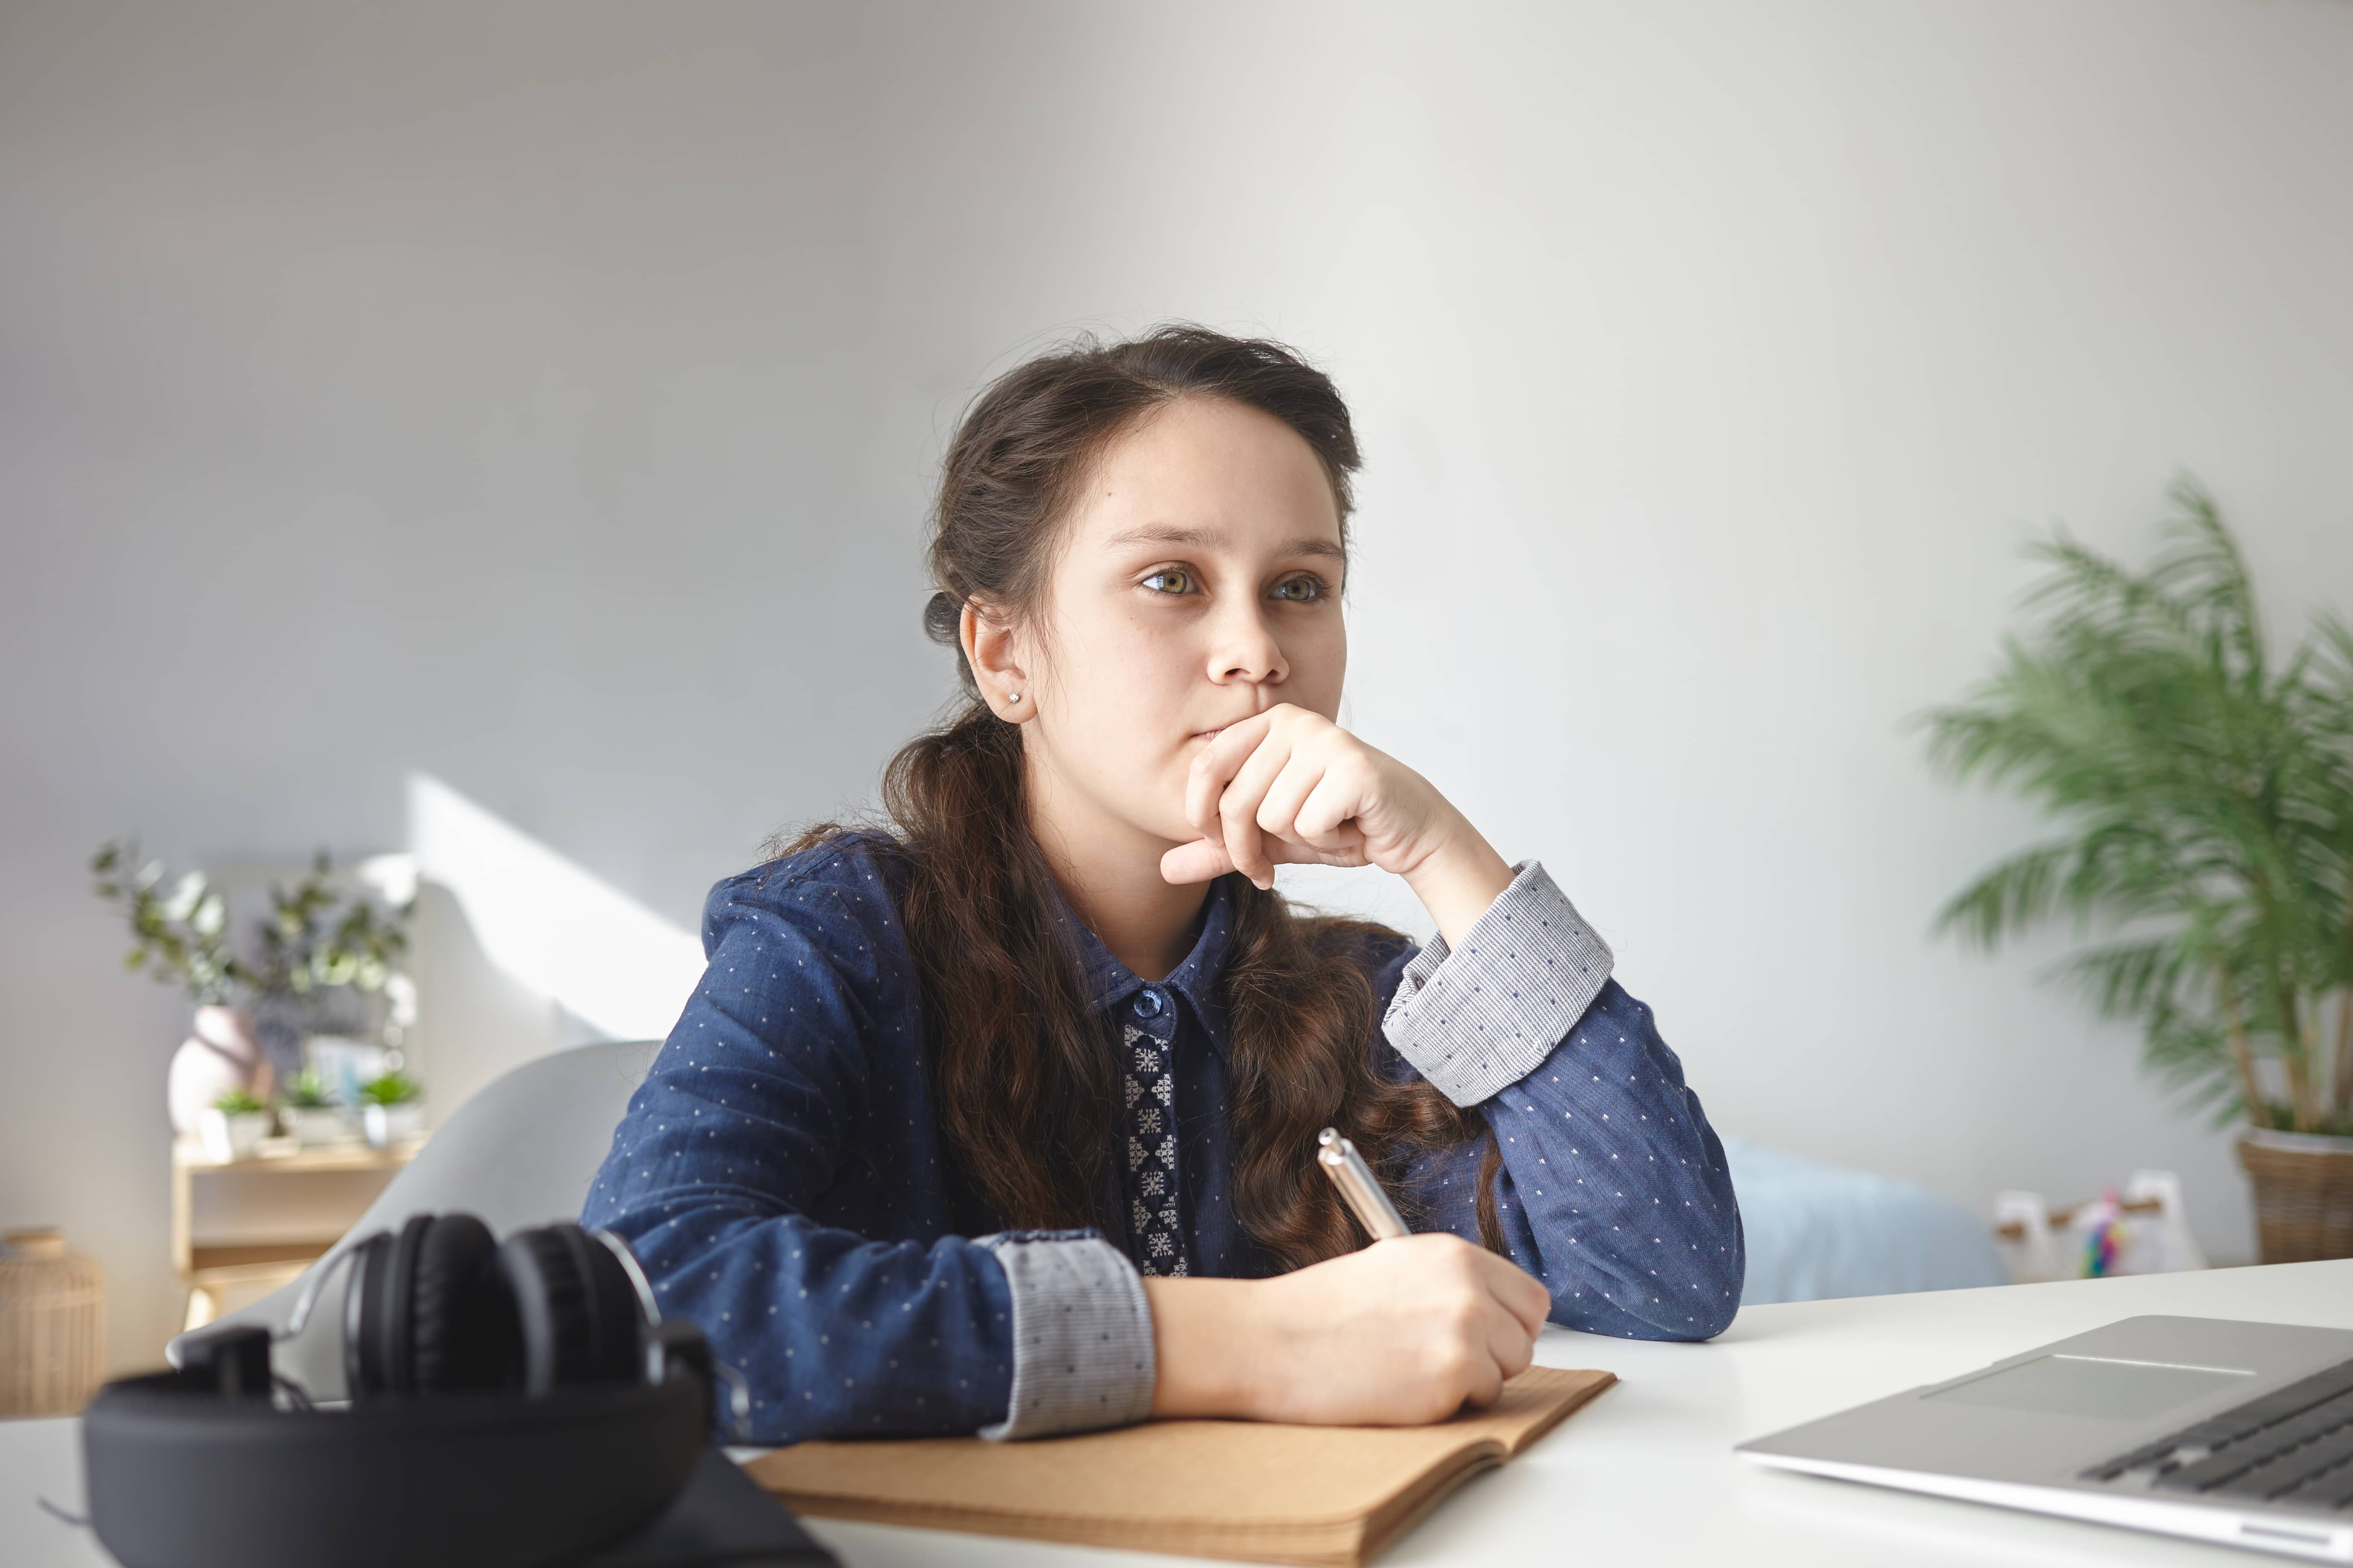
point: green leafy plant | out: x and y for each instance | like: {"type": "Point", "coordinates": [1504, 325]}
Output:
{"type": "Point", "coordinates": [392, 1088]}
{"type": "Point", "coordinates": [2206, 793]}
{"type": "Point", "coordinates": [315, 938]}
{"type": "Point", "coordinates": [304, 1091]}
{"type": "Point", "coordinates": [180, 936]}
{"type": "Point", "coordinates": [237, 1102]}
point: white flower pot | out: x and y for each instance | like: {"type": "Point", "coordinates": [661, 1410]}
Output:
{"type": "Point", "coordinates": [228, 1137]}
{"type": "Point", "coordinates": [389, 1124]}
{"type": "Point", "coordinates": [312, 1126]}
{"type": "Point", "coordinates": [221, 1055]}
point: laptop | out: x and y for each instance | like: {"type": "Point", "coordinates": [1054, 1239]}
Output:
{"type": "Point", "coordinates": [2230, 1432]}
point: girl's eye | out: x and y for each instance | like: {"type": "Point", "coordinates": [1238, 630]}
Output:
{"type": "Point", "coordinates": [1299, 590]}
{"type": "Point", "coordinates": [1171, 581]}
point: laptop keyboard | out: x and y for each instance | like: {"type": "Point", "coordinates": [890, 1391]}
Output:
{"type": "Point", "coordinates": [2293, 1447]}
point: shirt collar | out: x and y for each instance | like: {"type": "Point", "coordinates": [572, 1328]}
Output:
{"type": "Point", "coordinates": [1109, 983]}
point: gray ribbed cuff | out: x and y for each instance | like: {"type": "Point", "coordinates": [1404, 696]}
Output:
{"type": "Point", "coordinates": [1482, 1019]}
{"type": "Point", "coordinates": [1082, 1349]}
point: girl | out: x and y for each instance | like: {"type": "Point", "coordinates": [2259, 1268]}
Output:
{"type": "Point", "coordinates": [1003, 1119]}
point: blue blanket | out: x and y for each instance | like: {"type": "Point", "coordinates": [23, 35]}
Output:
{"type": "Point", "coordinates": [1816, 1231]}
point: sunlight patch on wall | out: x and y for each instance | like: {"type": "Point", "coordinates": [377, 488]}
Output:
{"type": "Point", "coordinates": [606, 957]}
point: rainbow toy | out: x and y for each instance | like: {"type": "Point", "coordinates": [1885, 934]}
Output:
{"type": "Point", "coordinates": [2103, 1241]}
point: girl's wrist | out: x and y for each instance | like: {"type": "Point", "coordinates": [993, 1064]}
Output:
{"type": "Point", "coordinates": [1460, 880]}
{"type": "Point", "coordinates": [1203, 1343]}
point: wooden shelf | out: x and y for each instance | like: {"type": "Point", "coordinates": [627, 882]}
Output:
{"type": "Point", "coordinates": [211, 1269]}
{"type": "Point", "coordinates": [244, 1258]}
{"type": "Point", "coordinates": [283, 1155]}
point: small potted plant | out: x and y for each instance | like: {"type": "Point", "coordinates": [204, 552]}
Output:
{"type": "Point", "coordinates": [232, 1126]}
{"type": "Point", "coordinates": [308, 1117]}
{"type": "Point", "coordinates": [388, 1108]}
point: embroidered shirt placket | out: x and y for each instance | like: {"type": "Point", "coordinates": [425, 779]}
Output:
{"type": "Point", "coordinates": [1148, 1093]}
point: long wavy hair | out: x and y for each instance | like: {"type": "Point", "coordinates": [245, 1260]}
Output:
{"type": "Point", "coordinates": [1024, 1073]}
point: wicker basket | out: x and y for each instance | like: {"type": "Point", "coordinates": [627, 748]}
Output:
{"type": "Point", "coordinates": [52, 1325]}
{"type": "Point", "coordinates": [2304, 1194]}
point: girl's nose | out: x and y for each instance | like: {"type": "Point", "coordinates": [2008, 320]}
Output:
{"type": "Point", "coordinates": [1245, 651]}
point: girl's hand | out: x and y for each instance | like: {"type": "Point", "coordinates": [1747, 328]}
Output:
{"type": "Point", "coordinates": [1405, 1332]}
{"type": "Point", "coordinates": [1290, 786]}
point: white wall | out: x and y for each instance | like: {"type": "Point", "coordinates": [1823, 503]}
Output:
{"type": "Point", "coordinates": [544, 396]}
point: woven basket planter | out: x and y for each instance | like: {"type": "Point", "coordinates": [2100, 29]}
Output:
{"type": "Point", "coordinates": [2304, 1194]}
{"type": "Point", "coordinates": [52, 1325]}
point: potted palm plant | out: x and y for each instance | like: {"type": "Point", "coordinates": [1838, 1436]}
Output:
{"type": "Point", "coordinates": [2203, 791]}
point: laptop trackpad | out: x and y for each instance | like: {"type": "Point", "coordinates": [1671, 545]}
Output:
{"type": "Point", "coordinates": [2081, 1385]}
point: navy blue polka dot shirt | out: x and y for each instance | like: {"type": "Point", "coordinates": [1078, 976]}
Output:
{"type": "Point", "coordinates": [782, 1177]}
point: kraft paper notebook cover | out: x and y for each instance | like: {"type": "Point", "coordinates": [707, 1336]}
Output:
{"type": "Point", "coordinates": [1252, 1491]}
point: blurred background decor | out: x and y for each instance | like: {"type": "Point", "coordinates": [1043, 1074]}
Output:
{"type": "Point", "coordinates": [328, 964]}
{"type": "Point", "coordinates": [180, 937]}
{"type": "Point", "coordinates": [2205, 790]}
{"type": "Point", "coordinates": [521, 401]}
{"type": "Point", "coordinates": [233, 1126]}
{"type": "Point", "coordinates": [52, 1324]}
{"type": "Point", "coordinates": [307, 1114]}
{"type": "Point", "coordinates": [2140, 1228]}
{"type": "Point", "coordinates": [323, 962]}
{"type": "Point", "coordinates": [389, 1108]}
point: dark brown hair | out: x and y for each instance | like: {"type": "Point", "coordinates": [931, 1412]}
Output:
{"type": "Point", "coordinates": [1024, 1073]}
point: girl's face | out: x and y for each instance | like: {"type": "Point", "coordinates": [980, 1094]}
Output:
{"type": "Point", "coordinates": [1197, 583]}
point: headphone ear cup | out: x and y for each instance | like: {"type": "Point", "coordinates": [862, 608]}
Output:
{"type": "Point", "coordinates": [575, 1310]}
{"type": "Point", "coordinates": [377, 1312]}
{"type": "Point", "coordinates": [460, 1320]}
{"type": "Point", "coordinates": [363, 1371]}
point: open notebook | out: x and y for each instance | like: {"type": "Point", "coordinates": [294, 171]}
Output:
{"type": "Point", "coordinates": [1247, 1489]}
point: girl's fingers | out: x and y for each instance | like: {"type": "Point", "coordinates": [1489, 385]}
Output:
{"type": "Point", "coordinates": [1298, 779]}
{"type": "Point", "coordinates": [1509, 1344]}
{"type": "Point", "coordinates": [1203, 859]}
{"type": "Point", "coordinates": [1199, 861]}
{"type": "Point", "coordinates": [1237, 807]}
{"type": "Point", "coordinates": [1326, 817]}
{"type": "Point", "coordinates": [1320, 828]}
{"type": "Point", "coordinates": [1215, 768]}
{"type": "Point", "coordinates": [1346, 847]}
{"type": "Point", "coordinates": [1486, 1380]}
{"type": "Point", "coordinates": [1520, 1293]}
{"type": "Point", "coordinates": [1259, 799]}
{"type": "Point", "coordinates": [1242, 847]}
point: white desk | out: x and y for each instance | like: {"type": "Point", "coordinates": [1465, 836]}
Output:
{"type": "Point", "coordinates": [1644, 1475]}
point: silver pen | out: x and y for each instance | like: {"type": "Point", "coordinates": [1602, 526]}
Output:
{"type": "Point", "coordinates": [1357, 1186]}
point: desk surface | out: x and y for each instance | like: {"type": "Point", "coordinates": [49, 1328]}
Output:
{"type": "Point", "coordinates": [1645, 1473]}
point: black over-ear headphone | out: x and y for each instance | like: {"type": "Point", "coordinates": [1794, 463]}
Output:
{"type": "Point", "coordinates": [513, 1403]}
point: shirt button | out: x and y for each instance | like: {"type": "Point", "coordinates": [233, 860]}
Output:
{"type": "Point", "coordinates": [1148, 1003]}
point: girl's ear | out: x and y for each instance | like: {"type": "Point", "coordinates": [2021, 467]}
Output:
{"type": "Point", "coordinates": [991, 648]}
